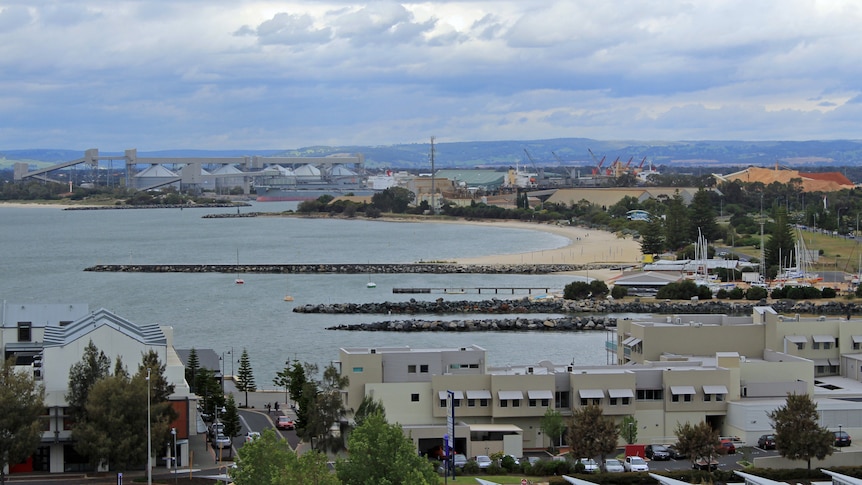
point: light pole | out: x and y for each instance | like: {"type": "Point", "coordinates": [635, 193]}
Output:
{"type": "Point", "coordinates": [174, 453]}
{"type": "Point", "coordinates": [149, 435]}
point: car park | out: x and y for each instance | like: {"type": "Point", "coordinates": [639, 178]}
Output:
{"type": "Point", "coordinates": [612, 465]}
{"type": "Point", "coordinates": [284, 422]}
{"type": "Point", "coordinates": [766, 442]}
{"type": "Point", "coordinates": [657, 452]}
{"type": "Point", "coordinates": [590, 465]}
{"type": "Point", "coordinates": [484, 461]}
{"type": "Point", "coordinates": [842, 438]}
{"type": "Point", "coordinates": [635, 464]}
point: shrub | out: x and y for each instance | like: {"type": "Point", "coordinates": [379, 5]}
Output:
{"type": "Point", "coordinates": [828, 293]}
{"type": "Point", "coordinates": [619, 292]}
{"type": "Point", "coordinates": [471, 467]}
{"type": "Point", "coordinates": [755, 293]}
{"type": "Point", "coordinates": [494, 469]}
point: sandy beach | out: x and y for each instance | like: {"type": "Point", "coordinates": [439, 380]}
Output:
{"type": "Point", "coordinates": [584, 245]}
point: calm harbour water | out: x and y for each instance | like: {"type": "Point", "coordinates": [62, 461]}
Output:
{"type": "Point", "coordinates": [44, 252]}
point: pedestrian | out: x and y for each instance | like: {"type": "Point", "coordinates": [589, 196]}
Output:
{"type": "Point", "coordinates": [276, 406]}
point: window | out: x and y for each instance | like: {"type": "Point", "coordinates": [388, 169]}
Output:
{"type": "Point", "coordinates": [442, 403]}
{"type": "Point", "coordinates": [411, 369]}
{"type": "Point", "coordinates": [456, 403]}
{"type": "Point", "coordinates": [687, 397]}
{"type": "Point", "coordinates": [674, 398]}
{"type": "Point", "coordinates": [707, 397]}
{"type": "Point", "coordinates": [24, 332]}
{"type": "Point", "coordinates": [584, 401]}
{"type": "Point", "coordinates": [358, 369]}
{"type": "Point", "coordinates": [414, 397]}
{"type": "Point", "coordinates": [719, 397]}
{"type": "Point", "coordinates": [483, 402]}
{"type": "Point", "coordinates": [545, 402]}
{"type": "Point", "coordinates": [815, 345]}
{"type": "Point", "coordinates": [516, 403]}
{"type": "Point", "coordinates": [504, 403]}
{"type": "Point", "coordinates": [856, 345]}
{"type": "Point", "coordinates": [423, 368]}
{"type": "Point", "coordinates": [650, 395]}
{"type": "Point", "coordinates": [471, 403]}
{"type": "Point", "coordinates": [800, 346]}
{"type": "Point", "coordinates": [532, 403]}
{"type": "Point", "coordinates": [827, 345]}
{"type": "Point", "coordinates": [561, 399]}
{"type": "Point", "coordinates": [626, 401]}
{"type": "Point", "coordinates": [613, 401]}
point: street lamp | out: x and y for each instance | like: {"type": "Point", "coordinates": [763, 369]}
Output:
{"type": "Point", "coordinates": [149, 435]}
{"type": "Point", "coordinates": [174, 452]}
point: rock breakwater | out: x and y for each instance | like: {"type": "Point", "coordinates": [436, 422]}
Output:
{"type": "Point", "coordinates": [347, 268]}
{"type": "Point", "coordinates": [566, 324]}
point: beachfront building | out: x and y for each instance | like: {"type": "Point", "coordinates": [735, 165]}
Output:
{"type": "Point", "coordinates": [48, 339]}
{"type": "Point", "coordinates": [728, 371]}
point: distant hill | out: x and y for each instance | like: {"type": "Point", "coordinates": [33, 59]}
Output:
{"type": "Point", "coordinates": [569, 151]}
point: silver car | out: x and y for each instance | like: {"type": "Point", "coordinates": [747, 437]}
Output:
{"type": "Point", "coordinates": [612, 465]}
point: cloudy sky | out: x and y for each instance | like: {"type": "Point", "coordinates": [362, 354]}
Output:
{"type": "Point", "coordinates": [246, 74]}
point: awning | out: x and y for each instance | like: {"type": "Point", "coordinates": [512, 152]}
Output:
{"type": "Point", "coordinates": [491, 428]}
{"type": "Point", "coordinates": [857, 339]}
{"type": "Point", "coordinates": [540, 394]}
{"type": "Point", "coordinates": [591, 393]}
{"type": "Point", "coordinates": [633, 342]}
{"type": "Point", "coordinates": [823, 338]}
{"type": "Point", "coordinates": [619, 393]}
{"type": "Point", "coordinates": [455, 394]}
{"type": "Point", "coordinates": [510, 395]}
{"type": "Point", "coordinates": [629, 340]}
{"type": "Point", "coordinates": [821, 362]}
{"type": "Point", "coordinates": [714, 390]}
{"type": "Point", "coordinates": [797, 339]}
{"type": "Point", "coordinates": [677, 390]}
{"type": "Point", "coordinates": [483, 394]}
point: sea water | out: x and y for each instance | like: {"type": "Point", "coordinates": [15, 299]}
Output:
{"type": "Point", "coordinates": [44, 251]}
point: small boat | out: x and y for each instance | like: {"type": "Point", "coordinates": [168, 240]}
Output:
{"type": "Point", "coordinates": [238, 280]}
{"type": "Point", "coordinates": [287, 297]}
{"type": "Point", "coordinates": [371, 284]}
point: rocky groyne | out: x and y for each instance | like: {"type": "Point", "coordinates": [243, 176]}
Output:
{"type": "Point", "coordinates": [567, 324]}
{"type": "Point", "coordinates": [349, 268]}
{"type": "Point", "coordinates": [561, 306]}
{"type": "Point", "coordinates": [157, 206]}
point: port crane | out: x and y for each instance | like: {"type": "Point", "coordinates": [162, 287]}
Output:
{"type": "Point", "coordinates": [598, 169]}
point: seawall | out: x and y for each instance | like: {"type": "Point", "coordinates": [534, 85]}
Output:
{"type": "Point", "coordinates": [349, 268]}
{"type": "Point", "coordinates": [566, 324]}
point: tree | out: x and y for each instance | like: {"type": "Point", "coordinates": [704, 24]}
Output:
{"type": "Point", "coordinates": [209, 388]}
{"type": "Point", "coordinates": [282, 379]}
{"type": "Point", "coordinates": [269, 460]}
{"type": "Point", "coordinates": [701, 214]}
{"type": "Point", "coordinates": [652, 237]}
{"type": "Point", "coordinates": [245, 378]}
{"type": "Point", "coordinates": [553, 426]}
{"type": "Point", "coordinates": [297, 387]}
{"type": "Point", "coordinates": [781, 240]}
{"type": "Point", "coordinates": [576, 290]}
{"type": "Point", "coordinates": [393, 199]}
{"type": "Point", "coordinates": [676, 224]}
{"type": "Point", "coordinates": [160, 393]}
{"type": "Point", "coordinates": [325, 409]}
{"type": "Point", "coordinates": [94, 365]}
{"type": "Point", "coordinates": [591, 433]}
{"type": "Point", "coordinates": [192, 367]}
{"type": "Point", "coordinates": [697, 441]}
{"type": "Point", "coordinates": [21, 403]}
{"type": "Point", "coordinates": [311, 468]}
{"type": "Point", "coordinates": [366, 408]}
{"type": "Point", "coordinates": [230, 418]}
{"type": "Point", "coordinates": [798, 436]}
{"type": "Point", "coordinates": [629, 429]}
{"type": "Point", "coordinates": [381, 454]}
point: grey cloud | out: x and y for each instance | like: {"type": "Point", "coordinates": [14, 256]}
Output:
{"type": "Point", "coordinates": [290, 29]}
{"type": "Point", "coordinates": [13, 18]}
{"type": "Point", "coordinates": [379, 23]}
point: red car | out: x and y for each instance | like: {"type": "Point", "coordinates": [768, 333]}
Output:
{"type": "Point", "coordinates": [285, 422]}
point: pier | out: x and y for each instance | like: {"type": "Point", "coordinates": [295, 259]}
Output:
{"type": "Point", "coordinates": [479, 290]}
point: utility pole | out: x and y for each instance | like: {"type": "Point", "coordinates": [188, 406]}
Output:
{"type": "Point", "coordinates": [433, 187]}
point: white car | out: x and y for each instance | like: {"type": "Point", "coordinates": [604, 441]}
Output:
{"type": "Point", "coordinates": [484, 461]}
{"type": "Point", "coordinates": [612, 465]}
{"type": "Point", "coordinates": [252, 435]}
{"type": "Point", "coordinates": [635, 464]}
{"type": "Point", "coordinates": [590, 465]}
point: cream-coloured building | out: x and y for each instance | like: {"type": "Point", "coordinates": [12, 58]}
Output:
{"type": "Point", "coordinates": [728, 371]}
{"type": "Point", "coordinates": [47, 339]}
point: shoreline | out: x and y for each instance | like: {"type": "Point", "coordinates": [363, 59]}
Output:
{"type": "Point", "coordinates": [585, 246]}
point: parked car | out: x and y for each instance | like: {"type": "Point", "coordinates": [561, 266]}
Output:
{"type": "Point", "coordinates": [702, 464]}
{"type": "Point", "coordinates": [612, 465]}
{"type": "Point", "coordinates": [590, 465]}
{"type": "Point", "coordinates": [460, 460]}
{"type": "Point", "coordinates": [766, 442]}
{"type": "Point", "coordinates": [214, 430]}
{"type": "Point", "coordinates": [517, 462]}
{"type": "Point", "coordinates": [285, 422]}
{"type": "Point", "coordinates": [675, 453]}
{"type": "Point", "coordinates": [842, 438]}
{"type": "Point", "coordinates": [725, 447]}
{"type": "Point", "coordinates": [657, 452]}
{"type": "Point", "coordinates": [251, 435]}
{"type": "Point", "coordinates": [635, 464]}
{"type": "Point", "coordinates": [221, 441]}
{"type": "Point", "coordinates": [484, 461]}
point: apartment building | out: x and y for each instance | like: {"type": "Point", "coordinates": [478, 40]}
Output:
{"type": "Point", "coordinates": [728, 371]}
{"type": "Point", "coordinates": [47, 339]}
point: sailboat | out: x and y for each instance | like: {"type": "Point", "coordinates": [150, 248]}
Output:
{"type": "Point", "coordinates": [287, 296]}
{"type": "Point", "coordinates": [370, 283]}
{"type": "Point", "coordinates": [238, 280]}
